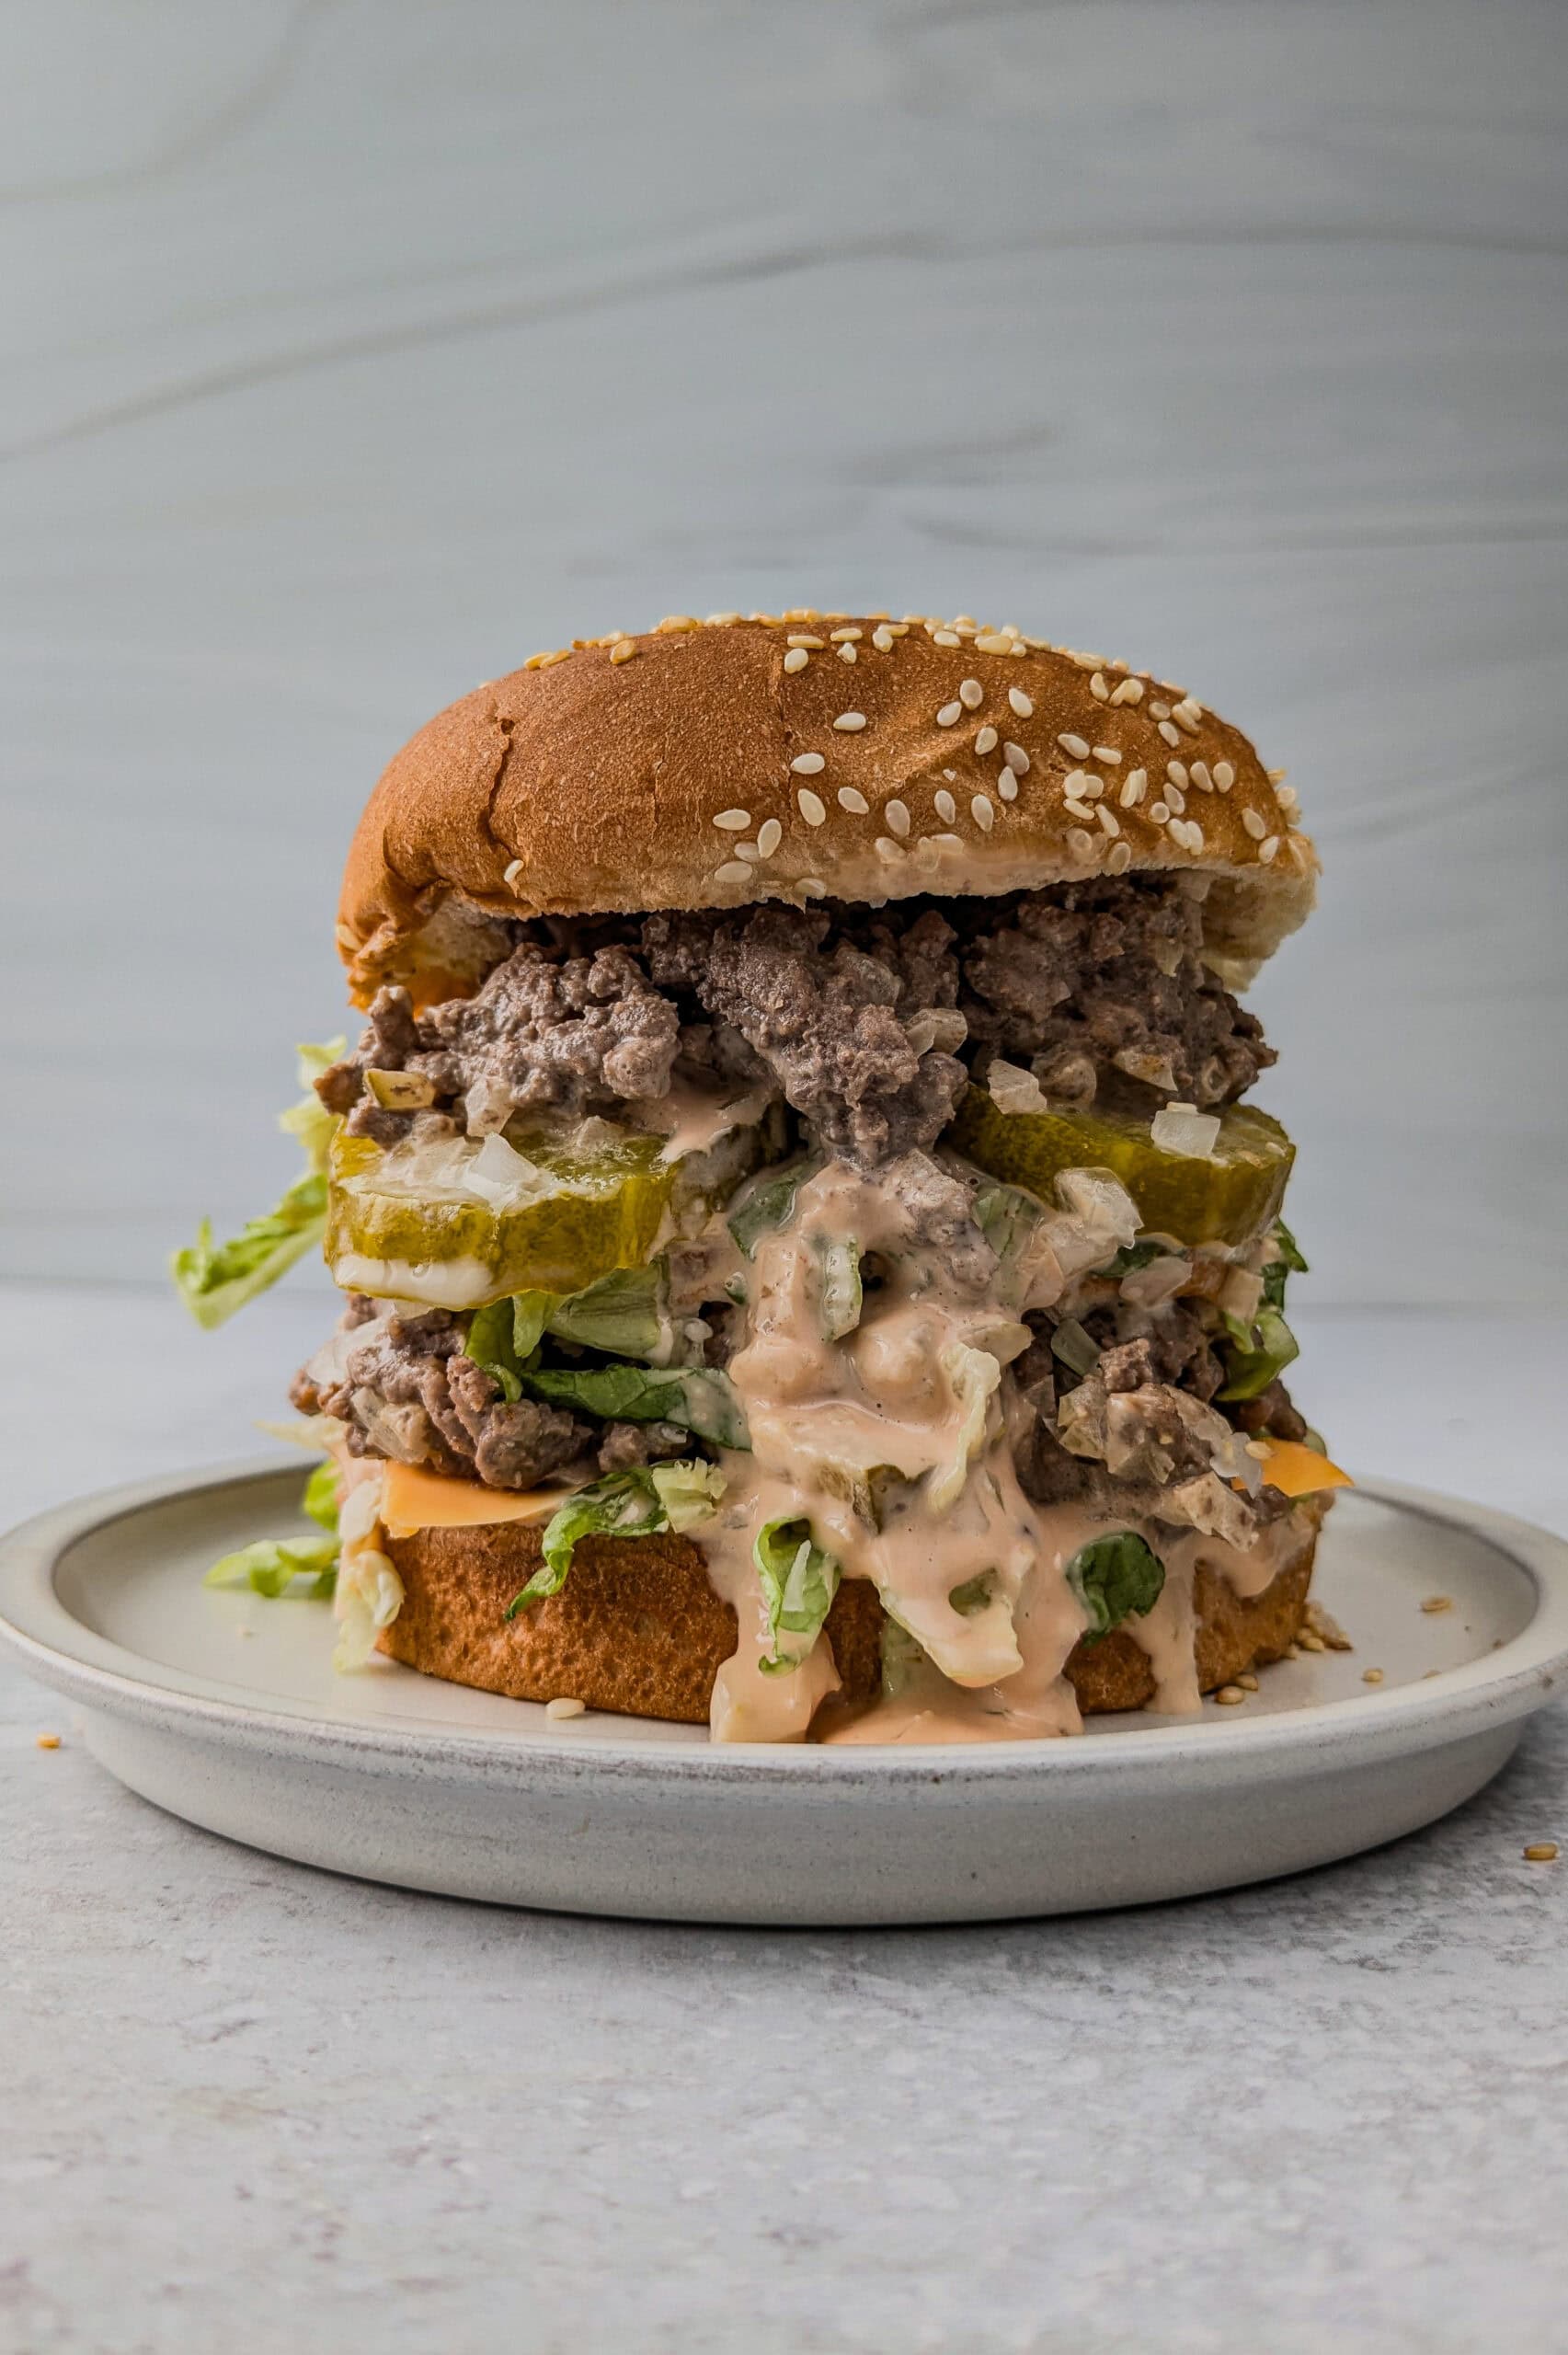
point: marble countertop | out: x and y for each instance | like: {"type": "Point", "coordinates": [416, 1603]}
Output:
{"type": "Point", "coordinates": [252, 2105]}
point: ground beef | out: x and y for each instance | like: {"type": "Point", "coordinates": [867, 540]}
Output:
{"type": "Point", "coordinates": [410, 1383]}
{"type": "Point", "coordinates": [856, 1014]}
{"type": "Point", "coordinates": [1270, 1415]}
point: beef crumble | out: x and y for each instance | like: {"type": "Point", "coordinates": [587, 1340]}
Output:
{"type": "Point", "coordinates": [857, 1014]}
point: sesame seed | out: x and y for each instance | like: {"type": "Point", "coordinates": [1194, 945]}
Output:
{"type": "Point", "coordinates": [983, 812]}
{"type": "Point", "coordinates": [1079, 844]}
{"type": "Point", "coordinates": [722, 621]}
{"type": "Point", "coordinates": [748, 852]}
{"type": "Point", "coordinates": [1371, 1676]}
{"type": "Point", "coordinates": [565, 1708]}
{"type": "Point", "coordinates": [1190, 704]}
{"type": "Point", "coordinates": [735, 870]}
{"type": "Point", "coordinates": [811, 806]}
{"type": "Point", "coordinates": [622, 650]}
{"type": "Point", "coordinates": [1539, 1852]}
{"type": "Point", "coordinates": [951, 775]}
{"type": "Point", "coordinates": [1177, 772]}
{"type": "Point", "coordinates": [1130, 691]}
{"type": "Point", "coordinates": [1135, 788]}
{"type": "Point", "coordinates": [803, 614]}
{"type": "Point", "coordinates": [677, 621]}
{"type": "Point", "coordinates": [1118, 858]}
{"type": "Point", "coordinates": [946, 638]}
{"type": "Point", "coordinates": [734, 821]}
{"type": "Point", "coordinates": [1169, 732]}
{"type": "Point", "coordinates": [1021, 703]}
{"type": "Point", "coordinates": [1255, 825]}
{"type": "Point", "coordinates": [846, 654]}
{"type": "Point", "coordinates": [1436, 1602]}
{"type": "Point", "coordinates": [813, 887]}
{"type": "Point", "coordinates": [1195, 837]}
{"type": "Point", "coordinates": [1017, 759]}
{"type": "Point", "coordinates": [946, 807]}
{"type": "Point", "coordinates": [1078, 809]}
{"type": "Point", "coordinates": [1286, 796]}
{"type": "Point", "coordinates": [856, 803]}
{"type": "Point", "coordinates": [1111, 823]}
{"type": "Point", "coordinates": [511, 874]}
{"type": "Point", "coordinates": [1186, 719]}
{"type": "Point", "coordinates": [1109, 754]}
{"type": "Point", "coordinates": [1157, 812]}
{"type": "Point", "coordinates": [51, 1741]}
{"type": "Point", "coordinates": [1007, 786]}
{"type": "Point", "coordinates": [1248, 1681]}
{"type": "Point", "coordinates": [797, 659]}
{"type": "Point", "coordinates": [993, 641]}
{"type": "Point", "coordinates": [950, 715]}
{"type": "Point", "coordinates": [883, 641]}
{"type": "Point", "coordinates": [971, 695]}
{"type": "Point", "coordinates": [1229, 1695]}
{"type": "Point", "coordinates": [1201, 777]}
{"type": "Point", "coordinates": [897, 818]}
{"type": "Point", "coordinates": [942, 842]}
{"type": "Point", "coordinates": [1224, 775]}
{"type": "Point", "coordinates": [808, 764]}
{"type": "Point", "coordinates": [1177, 799]}
{"type": "Point", "coordinates": [1092, 788]}
{"type": "Point", "coordinates": [1277, 776]}
{"type": "Point", "coordinates": [898, 629]}
{"type": "Point", "coordinates": [801, 641]}
{"type": "Point", "coordinates": [1098, 688]}
{"type": "Point", "coordinates": [769, 837]}
{"type": "Point", "coordinates": [850, 723]}
{"type": "Point", "coordinates": [1310, 1642]}
{"type": "Point", "coordinates": [1074, 781]}
{"type": "Point", "coordinates": [887, 848]}
{"type": "Point", "coordinates": [1267, 851]}
{"type": "Point", "coordinates": [846, 636]}
{"type": "Point", "coordinates": [985, 740]}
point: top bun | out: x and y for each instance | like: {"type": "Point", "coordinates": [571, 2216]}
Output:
{"type": "Point", "coordinates": [795, 757]}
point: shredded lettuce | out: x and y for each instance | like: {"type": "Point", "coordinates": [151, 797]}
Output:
{"type": "Point", "coordinates": [974, 1375]}
{"type": "Point", "coordinates": [214, 1280]}
{"type": "Point", "coordinates": [1115, 1577]}
{"type": "Point", "coordinates": [270, 1565]}
{"type": "Point", "coordinates": [839, 1285]}
{"type": "Point", "coordinates": [799, 1581]}
{"type": "Point", "coordinates": [320, 1498]}
{"type": "Point", "coordinates": [633, 1503]}
{"type": "Point", "coordinates": [1262, 1353]}
{"type": "Point", "coordinates": [767, 1203]}
{"type": "Point", "coordinates": [1136, 1255]}
{"type": "Point", "coordinates": [1287, 1262]}
{"type": "Point", "coordinates": [693, 1397]}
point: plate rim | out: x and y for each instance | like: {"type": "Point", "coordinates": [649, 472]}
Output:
{"type": "Point", "coordinates": [1521, 1676]}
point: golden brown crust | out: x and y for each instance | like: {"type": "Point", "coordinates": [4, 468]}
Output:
{"type": "Point", "coordinates": [638, 1629]}
{"type": "Point", "coordinates": [592, 783]}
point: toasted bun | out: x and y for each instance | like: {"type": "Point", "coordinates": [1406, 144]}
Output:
{"type": "Point", "coordinates": [638, 1629]}
{"type": "Point", "coordinates": [663, 770]}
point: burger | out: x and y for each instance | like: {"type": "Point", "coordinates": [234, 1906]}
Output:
{"type": "Point", "coordinates": [811, 1263]}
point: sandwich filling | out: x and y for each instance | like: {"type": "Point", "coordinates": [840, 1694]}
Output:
{"type": "Point", "coordinates": [927, 1245]}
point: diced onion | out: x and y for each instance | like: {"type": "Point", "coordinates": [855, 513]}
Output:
{"type": "Point", "coordinates": [1182, 1129]}
{"type": "Point", "coordinates": [1012, 1089]}
{"type": "Point", "coordinates": [498, 1173]}
{"type": "Point", "coordinates": [1101, 1201]}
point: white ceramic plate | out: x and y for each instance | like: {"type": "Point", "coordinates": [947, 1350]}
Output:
{"type": "Point", "coordinates": [224, 1709]}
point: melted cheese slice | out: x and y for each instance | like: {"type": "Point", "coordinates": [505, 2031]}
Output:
{"type": "Point", "coordinates": [412, 1498]}
{"type": "Point", "coordinates": [1298, 1471]}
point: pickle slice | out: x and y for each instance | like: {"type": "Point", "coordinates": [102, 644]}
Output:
{"type": "Point", "coordinates": [465, 1221]}
{"type": "Point", "coordinates": [1225, 1198]}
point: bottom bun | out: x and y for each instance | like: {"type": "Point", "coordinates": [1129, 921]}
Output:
{"type": "Point", "coordinates": [638, 1629]}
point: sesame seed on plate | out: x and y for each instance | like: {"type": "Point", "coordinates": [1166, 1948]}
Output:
{"type": "Point", "coordinates": [565, 1707]}
{"type": "Point", "coordinates": [1130, 691]}
{"type": "Point", "coordinates": [983, 812]}
{"type": "Point", "coordinates": [1098, 688]}
{"type": "Point", "coordinates": [850, 723]}
{"type": "Point", "coordinates": [734, 871]}
{"type": "Point", "coordinates": [1021, 703]}
{"type": "Point", "coordinates": [1247, 1680]}
{"type": "Point", "coordinates": [1224, 776]}
{"type": "Point", "coordinates": [985, 740]}
{"type": "Point", "coordinates": [1017, 759]}
{"type": "Point", "coordinates": [1118, 858]}
{"type": "Point", "coordinates": [1172, 734]}
{"type": "Point", "coordinates": [51, 1741]}
{"type": "Point", "coordinates": [808, 764]}
{"type": "Point", "coordinates": [510, 874]}
{"type": "Point", "coordinates": [1539, 1852]}
{"type": "Point", "coordinates": [950, 715]}
{"type": "Point", "coordinates": [734, 821]}
{"type": "Point", "coordinates": [1371, 1676]}
{"type": "Point", "coordinates": [897, 818]}
{"type": "Point", "coordinates": [622, 650]}
{"type": "Point", "coordinates": [1255, 827]}
{"type": "Point", "coordinates": [811, 806]}
{"type": "Point", "coordinates": [1109, 754]}
{"type": "Point", "coordinates": [1229, 1695]}
{"type": "Point", "coordinates": [946, 807]}
{"type": "Point", "coordinates": [797, 659]}
{"type": "Point", "coordinates": [1268, 851]}
{"type": "Point", "coordinates": [1007, 786]}
{"type": "Point", "coordinates": [971, 695]}
{"type": "Point", "coordinates": [856, 803]}
{"type": "Point", "coordinates": [1075, 747]}
{"type": "Point", "coordinates": [1437, 1603]}
{"type": "Point", "coordinates": [769, 837]}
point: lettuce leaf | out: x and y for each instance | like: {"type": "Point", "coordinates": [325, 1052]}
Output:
{"type": "Point", "coordinates": [634, 1504]}
{"type": "Point", "coordinates": [1287, 1262]}
{"type": "Point", "coordinates": [269, 1567]}
{"type": "Point", "coordinates": [1269, 1347]}
{"type": "Point", "coordinates": [214, 1280]}
{"type": "Point", "coordinates": [624, 1313]}
{"type": "Point", "coordinates": [767, 1203]}
{"type": "Point", "coordinates": [694, 1397]}
{"type": "Point", "coordinates": [320, 1498]}
{"type": "Point", "coordinates": [799, 1581]}
{"type": "Point", "coordinates": [1115, 1577]}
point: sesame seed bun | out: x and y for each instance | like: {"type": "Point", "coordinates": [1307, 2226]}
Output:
{"type": "Point", "coordinates": [637, 1628]}
{"type": "Point", "coordinates": [716, 764]}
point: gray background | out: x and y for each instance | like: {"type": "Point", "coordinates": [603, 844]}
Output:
{"type": "Point", "coordinates": [353, 351]}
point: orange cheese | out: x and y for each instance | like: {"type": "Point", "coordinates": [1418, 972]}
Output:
{"type": "Point", "coordinates": [412, 1498]}
{"type": "Point", "coordinates": [1298, 1471]}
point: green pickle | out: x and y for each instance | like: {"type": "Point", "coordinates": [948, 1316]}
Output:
{"type": "Point", "coordinates": [402, 1224]}
{"type": "Point", "coordinates": [1226, 1198]}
